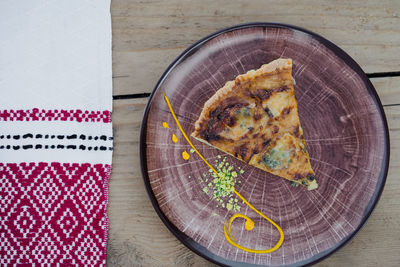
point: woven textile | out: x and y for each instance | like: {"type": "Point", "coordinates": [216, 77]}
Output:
{"type": "Point", "coordinates": [56, 137]}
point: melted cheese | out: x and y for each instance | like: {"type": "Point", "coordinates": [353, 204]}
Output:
{"type": "Point", "coordinates": [277, 102]}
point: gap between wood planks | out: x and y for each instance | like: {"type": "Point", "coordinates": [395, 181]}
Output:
{"type": "Point", "coordinates": [369, 75]}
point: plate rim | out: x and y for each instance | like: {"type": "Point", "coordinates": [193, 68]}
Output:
{"type": "Point", "coordinates": [204, 252]}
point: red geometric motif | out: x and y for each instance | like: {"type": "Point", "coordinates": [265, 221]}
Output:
{"type": "Point", "coordinates": [55, 115]}
{"type": "Point", "coordinates": [53, 214]}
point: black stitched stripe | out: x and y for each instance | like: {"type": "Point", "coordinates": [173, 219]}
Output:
{"type": "Point", "coordinates": [61, 137]}
{"type": "Point", "coordinates": [27, 136]}
{"type": "Point", "coordinates": [21, 137]}
{"type": "Point", "coordinates": [40, 146]}
{"type": "Point", "coordinates": [73, 136]}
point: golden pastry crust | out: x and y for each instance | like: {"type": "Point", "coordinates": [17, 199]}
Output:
{"type": "Point", "coordinates": [255, 119]}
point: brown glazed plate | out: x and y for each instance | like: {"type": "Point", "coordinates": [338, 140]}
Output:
{"type": "Point", "coordinates": [346, 135]}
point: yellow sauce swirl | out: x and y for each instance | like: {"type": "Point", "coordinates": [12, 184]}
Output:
{"type": "Point", "coordinates": [185, 155]}
{"type": "Point", "coordinates": [165, 125]}
{"type": "Point", "coordinates": [174, 138]}
{"type": "Point", "coordinates": [249, 224]}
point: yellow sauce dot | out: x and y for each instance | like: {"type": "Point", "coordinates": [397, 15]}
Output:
{"type": "Point", "coordinates": [185, 155]}
{"type": "Point", "coordinates": [174, 138]}
{"type": "Point", "coordinates": [249, 225]}
{"type": "Point", "coordinates": [165, 125]}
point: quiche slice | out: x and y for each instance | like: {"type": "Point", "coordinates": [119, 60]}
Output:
{"type": "Point", "coordinates": [255, 119]}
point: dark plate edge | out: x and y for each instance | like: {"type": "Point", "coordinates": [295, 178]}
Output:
{"type": "Point", "coordinates": [202, 251]}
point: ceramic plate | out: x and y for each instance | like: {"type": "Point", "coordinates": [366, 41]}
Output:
{"type": "Point", "coordinates": [346, 135]}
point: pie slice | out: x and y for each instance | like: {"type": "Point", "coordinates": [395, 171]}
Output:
{"type": "Point", "coordinates": [254, 118]}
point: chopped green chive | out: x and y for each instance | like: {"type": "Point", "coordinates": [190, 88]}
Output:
{"type": "Point", "coordinates": [222, 184]}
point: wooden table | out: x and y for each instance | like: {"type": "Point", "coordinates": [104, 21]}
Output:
{"type": "Point", "coordinates": [148, 35]}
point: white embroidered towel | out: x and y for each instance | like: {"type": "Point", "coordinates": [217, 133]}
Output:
{"type": "Point", "coordinates": [55, 131]}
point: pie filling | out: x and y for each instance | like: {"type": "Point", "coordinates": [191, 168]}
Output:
{"type": "Point", "coordinates": [256, 120]}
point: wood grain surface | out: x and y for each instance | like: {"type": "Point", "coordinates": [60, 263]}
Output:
{"type": "Point", "coordinates": [137, 236]}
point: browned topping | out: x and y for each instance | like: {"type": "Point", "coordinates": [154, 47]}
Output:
{"type": "Point", "coordinates": [286, 111]}
{"type": "Point", "coordinates": [241, 151]}
{"type": "Point", "coordinates": [251, 129]}
{"type": "Point", "coordinates": [262, 94]}
{"type": "Point", "coordinates": [230, 121]}
{"type": "Point", "coordinates": [255, 135]}
{"type": "Point", "coordinates": [215, 112]}
{"type": "Point", "coordinates": [244, 137]}
{"type": "Point", "coordinates": [269, 112]}
{"type": "Point", "coordinates": [296, 131]}
{"type": "Point", "coordinates": [281, 89]}
{"type": "Point", "coordinates": [257, 117]}
{"type": "Point", "coordinates": [297, 176]}
{"type": "Point", "coordinates": [275, 129]}
{"type": "Point", "coordinates": [266, 143]}
{"type": "Point", "coordinates": [255, 151]}
{"type": "Point", "coordinates": [220, 117]}
{"type": "Point", "coordinates": [247, 93]}
{"type": "Point", "coordinates": [210, 136]}
{"type": "Point", "coordinates": [211, 133]}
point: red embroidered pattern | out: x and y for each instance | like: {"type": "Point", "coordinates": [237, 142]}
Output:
{"type": "Point", "coordinates": [53, 214]}
{"type": "Point", "coordinates": [55, 115]}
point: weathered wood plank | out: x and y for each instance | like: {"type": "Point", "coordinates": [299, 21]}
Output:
{"type": "Point", "coordinates": [134, 78]}
{"type": "Point", "coordinates": [138, 72]}
{"type": "Point", "coordinates": [388, 89]}
{"type": "Point", "coordinates": [137, 237]}
{"type": "Point", "coordinates": [148, 35]}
